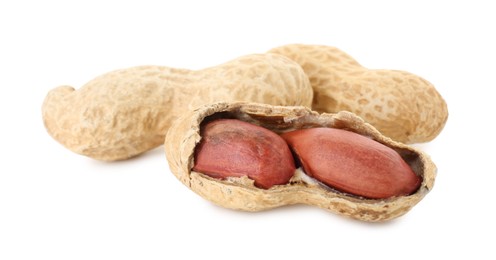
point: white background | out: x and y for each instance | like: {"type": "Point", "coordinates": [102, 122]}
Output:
{"type": "Point", "coordinates": [55, 204]}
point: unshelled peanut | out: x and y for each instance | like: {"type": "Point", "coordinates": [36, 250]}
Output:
{"type": "Point", "coordinates": [399, 104]}
{"type": "Point", "coordinates": [126, 112]}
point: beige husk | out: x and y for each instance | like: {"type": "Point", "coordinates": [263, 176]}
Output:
{"type": "Point", "coordinates": [401, 105]}
{"type": "Point", "coordinates": [241, 194]}
{"type": "Point", "coordinates": [126, 112]}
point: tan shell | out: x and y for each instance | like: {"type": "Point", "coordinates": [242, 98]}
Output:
{"type": "Point", "coordinates": [400, 105]}
{"type": "Point", "coordinates": [241, 194]}
{"type": "Point", "coordinates": [127, 112]}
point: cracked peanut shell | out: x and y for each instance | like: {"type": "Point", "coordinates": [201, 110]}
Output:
{"type": "Point", "coordinates": [241, 194]}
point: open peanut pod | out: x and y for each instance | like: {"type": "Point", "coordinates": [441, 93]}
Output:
{"type": "Point", "coordinates": [244, 192]}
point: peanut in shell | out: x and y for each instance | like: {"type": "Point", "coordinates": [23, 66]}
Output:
{"type": "Point", "coordinates": [126, 112]}
{"type": "Point", "coordinates": [240, 193]}
{"type": "Point", "coordinates": [401, 105]}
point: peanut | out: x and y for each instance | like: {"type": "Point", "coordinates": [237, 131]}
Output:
{"type": "Point", "coordinates": [233, 148]}
{"type": "Point", "coordinates": [400, 105]}
{"type": "Point", "coordinates": [127, 112]}
{"type": "Point", "coordinates": [352, 163]}
{"type": "Point", "coordinates": [241, 193]}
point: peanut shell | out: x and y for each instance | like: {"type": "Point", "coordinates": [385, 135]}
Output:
{"type": "Point", "coordinates": [399, 104]}
{"type": "Point", "coordinates": [126, 112]}
{"type": "Point", "coordinates": [241, 194]}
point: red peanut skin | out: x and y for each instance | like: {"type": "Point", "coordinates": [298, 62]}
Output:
{"type": "Point", "coordinates": [352, 163]}
{"type": "Point", "coordinates": [233, 148]}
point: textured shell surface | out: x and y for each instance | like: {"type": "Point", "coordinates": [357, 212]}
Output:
{"type": "Point", "coordinates": [399, 104]}
{"type": "Point", "coordinates": [241, 194]}
{"type": "Point", "coordinates": [126, 112]}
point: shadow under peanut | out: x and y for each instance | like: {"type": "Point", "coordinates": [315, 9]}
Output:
{"type": "Point", "coordinates": [304, 213]}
